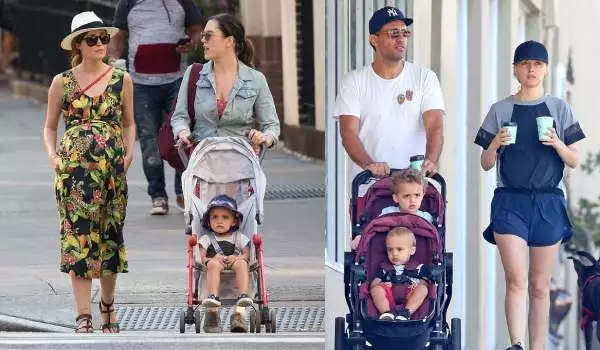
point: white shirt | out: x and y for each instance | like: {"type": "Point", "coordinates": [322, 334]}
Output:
{"type": "Point", "coordinates": [390, 131]}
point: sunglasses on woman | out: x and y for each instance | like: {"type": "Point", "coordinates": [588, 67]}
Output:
{"type": "Point", "coordinates": [92, 40]}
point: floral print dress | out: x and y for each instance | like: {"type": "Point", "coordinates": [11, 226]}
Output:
{"type": "Point", "coordinates": [91, 188]}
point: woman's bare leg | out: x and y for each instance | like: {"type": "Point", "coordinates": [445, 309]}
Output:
{"type": "Point", "coordinates": [513, 253]}
{"type": "Point", "coordinates": [82, 290]}
{"type": "Point", "coordinates": [542, 262]}
{"type": "Point", "coordinates": [107, 294]}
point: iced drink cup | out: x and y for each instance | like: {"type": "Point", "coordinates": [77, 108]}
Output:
{"type": "Point", "coordinates": [544, 124]}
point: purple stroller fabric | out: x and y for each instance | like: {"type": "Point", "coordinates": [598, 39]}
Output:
{"type": "Point", "coordinates": [372, 248]}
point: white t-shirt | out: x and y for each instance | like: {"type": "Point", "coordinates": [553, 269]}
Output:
{"type": "Point", "coordinates": [390, 131]}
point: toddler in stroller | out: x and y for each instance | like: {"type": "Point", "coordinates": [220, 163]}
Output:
{"type": "Point", "coordinates": [401, 245]}
{"type": "Point", "coordinates": [407, 188]}
{"type": "Point", "coordinates": [223, 247]}
{"type": "Point", "coordinates": [224, 188]}
{"type": "Point", "coordinates": [429, 265]}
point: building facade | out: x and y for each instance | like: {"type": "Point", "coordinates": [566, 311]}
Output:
{"type": "Point", "coordinates": [469, 44]}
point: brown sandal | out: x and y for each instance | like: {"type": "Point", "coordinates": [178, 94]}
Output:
{"type": "Point", "coordinates": [84, 324]}
{"type": "Point", "coordinates": [112, 327]}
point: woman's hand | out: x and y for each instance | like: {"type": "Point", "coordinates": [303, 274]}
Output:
{"type": "Point", "coordinates": [257, 138]}
{"type": "Point", "coordinates": [502, 139]}
{"type": "Point", "coordinates": [184, 136]}
{"type": "Point", "coordinates": [55, 161]}
{"type": "Point", "coordinates": [128, 160]}
{"type": "Point", "coordinates": [553, 139]}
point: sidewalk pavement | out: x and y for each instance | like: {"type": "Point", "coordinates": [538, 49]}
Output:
{"type": "Point", "coordinates": [34, 289]}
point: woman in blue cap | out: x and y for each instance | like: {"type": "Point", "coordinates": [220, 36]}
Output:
{"type": "Point", "coordinates": [530, 137]}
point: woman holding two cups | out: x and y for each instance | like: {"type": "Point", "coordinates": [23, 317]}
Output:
{"type": "Point", "coordinates": [530, 136]}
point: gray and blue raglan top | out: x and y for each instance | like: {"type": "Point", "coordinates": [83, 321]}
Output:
{"type": "Point", "coordinates": [528, 164]}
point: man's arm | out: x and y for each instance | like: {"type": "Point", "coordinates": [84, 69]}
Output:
{"type": "Point", "coordinates": [434, 131]}
{"type": "Point", "coordinates": [349, 126]}
{"type": "Point", "coordinates": [117, 45]}
{"type": "Point", "coordinates": [195, 33]}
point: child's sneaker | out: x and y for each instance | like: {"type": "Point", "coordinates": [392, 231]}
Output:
{"type": "Point", "coordinates": [403, 314]}
{"type": "Point", "coordinates": [387, 316]}
{"type": "Point", "coordinates": [211, 301]}
{"type": "Point", "coordinates": [516, 346]}
{"type": "Point", "coordinates": [244, 300]}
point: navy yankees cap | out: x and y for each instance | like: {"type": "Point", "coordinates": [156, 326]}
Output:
{"type": "Point", "coordinates": [531, 50]}
{"type": "Point", "coordinates": [386, 15]}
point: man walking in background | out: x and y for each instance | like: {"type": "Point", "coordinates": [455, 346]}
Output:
{"type": "Point", "coordinates": [156, 32]}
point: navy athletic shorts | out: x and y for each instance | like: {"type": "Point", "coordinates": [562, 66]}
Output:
{"type": "Point", "coordinates": [539, 217]}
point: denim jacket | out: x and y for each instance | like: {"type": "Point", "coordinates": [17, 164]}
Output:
{"type": "Point", "coordinates": [250, 100]}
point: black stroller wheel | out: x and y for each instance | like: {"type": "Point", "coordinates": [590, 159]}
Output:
{"type": "Point", "coordinates": [273, 321]}
{"type": "Point", "coordinates": [182, 321]}
{"type": "Point", "coordinates": [340, 334]}
{"type": "Point", "coordinates": [197, 320]}
{"type": "Point", "coordinates": [455, 334]}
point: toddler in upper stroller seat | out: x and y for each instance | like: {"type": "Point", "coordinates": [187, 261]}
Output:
{"type": "Point", "coordinates": [401, 245]}
{"type": "Point", "coordinates": [224, 248]}
{"type": "Point", "coordinates": [408, 188]}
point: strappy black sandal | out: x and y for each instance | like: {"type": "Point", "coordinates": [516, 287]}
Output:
{"type": "Point", "coordinates": [84, 324]}
{"type": "Point", "coordinates": [112, 327]}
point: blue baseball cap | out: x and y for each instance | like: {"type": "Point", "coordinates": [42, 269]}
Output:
{"type": "Point", "coordinates": [531, 50]}
{"type": "Point", "coordinates": [386, 15]}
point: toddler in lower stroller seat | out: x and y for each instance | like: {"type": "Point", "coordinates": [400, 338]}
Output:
{"type": "Point", "coordinates": [225, 248]}
{"type": "Point", "coordinates": [400, 245]}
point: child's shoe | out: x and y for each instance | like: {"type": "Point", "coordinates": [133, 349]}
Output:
{"type": "Point", "coordinates": [516, 346]}
{"type": "Point", "coordinates": [244, 300]}
{"type": "Point", "coordinates": [403, 314]}
{"type": "Point", "coordinates": [387, 316]}
{"type": "Point", "coordinates": [211, 301]}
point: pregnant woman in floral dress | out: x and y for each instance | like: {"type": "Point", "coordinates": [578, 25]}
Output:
{"type": "Point", "coordinates": [91, 164]}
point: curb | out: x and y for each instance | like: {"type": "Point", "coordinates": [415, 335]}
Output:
{"type": "Point", "coordinates": [17, 324]}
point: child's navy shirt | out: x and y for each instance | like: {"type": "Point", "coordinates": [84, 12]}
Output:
{"type": "Point", "coordinates": [529, 164]}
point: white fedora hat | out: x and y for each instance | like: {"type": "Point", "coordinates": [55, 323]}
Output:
{"type": "Point", "coordinates": [84, 22]}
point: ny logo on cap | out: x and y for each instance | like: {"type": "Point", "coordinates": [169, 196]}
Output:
{"type": "Point", "coordinates": [392, 12]}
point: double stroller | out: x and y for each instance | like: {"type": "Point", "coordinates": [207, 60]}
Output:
{"type": "Point", "coordinates": [427, 329]}
{"type": "Point", "coordinates": [225, 165]}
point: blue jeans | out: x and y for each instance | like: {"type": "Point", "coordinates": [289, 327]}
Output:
{"type": "Point", "coordinates": [151, 102]}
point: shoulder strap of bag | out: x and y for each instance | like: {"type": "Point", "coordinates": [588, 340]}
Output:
{"type": "Point", "coordinates": [193, 79]}
{"type": "Point", "coordinates": [215, 243]}
{"type": "Point", "coordinates": [96, 81]}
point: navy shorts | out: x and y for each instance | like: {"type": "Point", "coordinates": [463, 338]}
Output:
{"type": "Point", "coordinates": [540, 217]}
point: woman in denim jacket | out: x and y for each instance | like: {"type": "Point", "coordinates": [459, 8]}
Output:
{"type": "Point", "coordinates": [231, 96]}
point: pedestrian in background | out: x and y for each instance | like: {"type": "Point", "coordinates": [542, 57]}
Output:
{"type": "Point", "coordinates": [156, 33]}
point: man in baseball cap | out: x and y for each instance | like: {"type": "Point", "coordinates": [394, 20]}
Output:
{"type": "Point", "coordinates": [390, 109]}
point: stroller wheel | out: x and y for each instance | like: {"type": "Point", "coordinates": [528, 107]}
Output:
{"type": "Point", "coordinates": [273, 321]}
{"type": "Point", "coordinates": [182, 321]}
{"type": "Point", "coordinates": [254, 321]}
{"type": "Point", "coordinates": [340, 334]}
{"type": "Point", "coordinates": [455, 334]}
{"type": "Point", "coordinates": [197, 320]}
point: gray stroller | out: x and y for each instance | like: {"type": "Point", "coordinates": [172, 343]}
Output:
{"type": "Point", "coordinates": [225, 165]}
